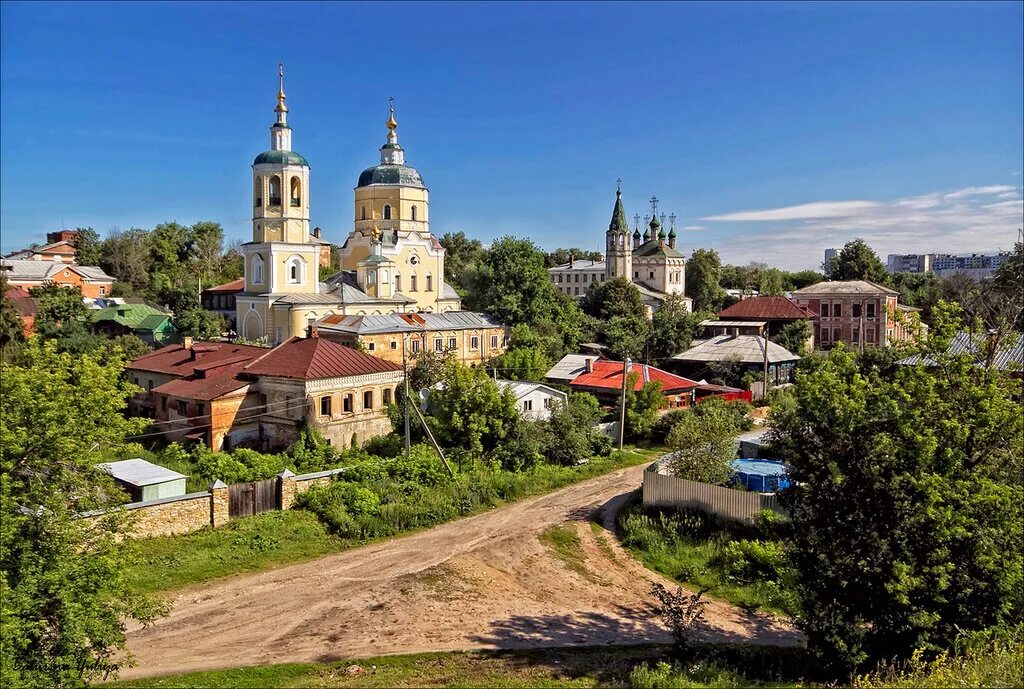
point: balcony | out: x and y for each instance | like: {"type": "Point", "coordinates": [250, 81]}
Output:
{"type": "Point", "coordinates": [275, 201]}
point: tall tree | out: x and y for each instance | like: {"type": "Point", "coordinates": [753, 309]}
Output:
{"type": "Point", "coordinates": [907, 502]}
{"type": "Point", "coordinates": [461, 257]}
{"type": "Point", "coordinates": [673, 327]}
{"type": "Point", "coordinates": [626, 336]}
{"type": "Point", "coordinates": [87, 247]}
{"type": "Point", "coordinates": [513, 285]}
{"type": "Point", "coordinates": [615, 297]}
{"type": "Point", "coordinates": [199, 323]}
{"type": "Point", "coordinates": [126, 256]}
{"type": "Point", "coordinates": [206, 243]}
{"type": "Point", "coordinates": [11, 332]}
{"type": "Point", "coordinates": [703, 272]}
{"type": "Point", "coordinates": [642, 406]}
{"type": "Point", "coordinates": [64, 593]}
{"type": "Point", "coordinates": [64, 318]}
{"type": "Point", "coordinates": [856, 261]}
{"type": "Point", "coordinates": [472, 413]}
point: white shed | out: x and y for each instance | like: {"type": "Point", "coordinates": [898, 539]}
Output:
{"type": "Point", "coordinates": [144, 480]}
{"type": "Point", "coordinates": [533, 400]}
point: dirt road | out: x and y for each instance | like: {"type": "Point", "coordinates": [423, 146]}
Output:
{"type": "Point", "coordinates": [483, 582]}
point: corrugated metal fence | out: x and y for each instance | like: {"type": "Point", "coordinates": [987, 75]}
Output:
{"type": "Point", "coordinates": [663, 490]}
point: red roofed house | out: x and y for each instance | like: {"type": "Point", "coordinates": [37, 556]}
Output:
{"type": "Point", "coordinates": [777, 312]}
{"type": "Point", "coordinates": [221, 299]}
{"type": "Point", "coordinates": [603, 379]}
{"type": "Point", "coordinates": [26, 308]}
{"type": "Point", "coordinates": [230, 395]}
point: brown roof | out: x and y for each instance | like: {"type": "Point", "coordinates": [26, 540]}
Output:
{"type": "Point", "coordinates": [207, 385]}
{"type": "Point", "coordinates": [767, 308]}
{"type": "Point", "coordinates": [176, 360]}
{"type": "Point", "coordinates": [842, 287]}
{"type": "Point", "coordinates": [313, 358]}
{"type": "Point", "coordinates": [233, 286]}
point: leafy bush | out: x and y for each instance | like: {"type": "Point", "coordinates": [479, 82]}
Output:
{"type": "Point", "coordinates": [665, 423]}
{"type": "Point", "coordinates": [749, 562]}
{"type": "Point", "coordinates": [241, 465]}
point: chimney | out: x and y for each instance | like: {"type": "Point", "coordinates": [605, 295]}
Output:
{"type": "Point", "coordinates": [589, 365]}
{"type": "Point", "coordinates": [316, 232]}
{"type": "Point", "coordinates": [186, 342]}
{"type": "Point", "coordinates": [571, 259]}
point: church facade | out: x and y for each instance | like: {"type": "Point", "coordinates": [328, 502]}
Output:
{"type": "Point", "coordinates": [651, 261]}
{"type": "Point", "coordinates": [390, 261]}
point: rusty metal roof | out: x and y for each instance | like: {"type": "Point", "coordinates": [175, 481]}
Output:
{"type": "Point", "coordinates": [314, 358]}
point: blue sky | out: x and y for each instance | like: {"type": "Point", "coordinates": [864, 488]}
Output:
{"type": "Point", "coordinates": [771, 131]}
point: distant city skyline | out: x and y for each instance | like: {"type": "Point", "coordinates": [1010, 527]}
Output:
{"type": "Point", "coordinates": [773, 131]}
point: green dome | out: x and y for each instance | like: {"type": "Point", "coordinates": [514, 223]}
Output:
{"type": "Point", "coordinates": [390, 173]}
{"type": "Point", "coordinates": [280, 158]}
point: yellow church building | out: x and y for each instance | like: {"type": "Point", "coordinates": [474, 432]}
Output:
{"type": "Point", "coordinates": [390, 261]}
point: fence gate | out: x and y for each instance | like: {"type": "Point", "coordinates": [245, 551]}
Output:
{"type": "Point", "coordinates": [246, 499]}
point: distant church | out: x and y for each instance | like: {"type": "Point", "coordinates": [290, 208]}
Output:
{"type": "Point", "coordinates": [390, 261]}
{"type": "Point", "coordinates": [650, 261]}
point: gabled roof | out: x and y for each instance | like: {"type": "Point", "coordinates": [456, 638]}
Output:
{"type": "Point", "coordinates": [42, 270]}
{"type": "Point", "coordinates": [748, 349]}
{"type": "Point", "coordinates": [522, 388]}
{"type": "Point", "coordinates": [844, 287]}
{"type": "Point", "coordinates": [178, 361]}
{"type": "Point", "coordinates": [607, 375]}
{"type": "Point", "coordinates": [314, 358]}
{"type": "Point", "coordinates": [139, 472]}
{"type": "Point", "coordinates": [233, 286]}
{"type": "Point", "coordinates": [569, 366]}
{"type": "Point", "coordinates": [128, 315]}
{"type": "Point", "coordinates": [655, 248]}
{"type": "Point", "coordinates": [407, 322]}
{"type": "Point", "coordinates": [766, 308]}
{"type": "Point", "coordinates": [154, 322]}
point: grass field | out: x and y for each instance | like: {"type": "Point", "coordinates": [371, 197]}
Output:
{"type": "Point", "coordinates": [276, 538]}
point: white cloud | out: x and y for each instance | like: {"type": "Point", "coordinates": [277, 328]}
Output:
{"type": "Point", "coordinates": [695, 227]}
{"type": "Point", "coordinates": [980, 218]}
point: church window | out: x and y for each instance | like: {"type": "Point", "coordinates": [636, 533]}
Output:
{"type": "Point", "coordinates": [387, 212]}
{"type": "Point", "coordinates": [412, 283]}
{"type": "Point", "coordinates": [275, 191]}
{"type": "Point", "coordinates": [414, 212]}
{"type": "Point", "coordinates": [398, 283]}
{"type": "Point", "coordinates": [257, 193]}
{"type": "Point", "coordinates": [362, 212]}
{"type": "Point", "coordinates": [371, 277]}
{"type": "Point", "coordinates": [296, 268]}
{"type": "Point", "coordinates": [257, 270]}
{"type": "Point", "coordinates": [296, 192]}
{"type": "Point", "coordinates": [430, 283]}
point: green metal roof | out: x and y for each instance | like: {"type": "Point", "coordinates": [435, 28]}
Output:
{"type": "Point", "coordinates": [377, 258]}
{"type": "Point", "coordinates": [619, 224]}
{"type": "Point", "coordinates": [128, 315]}
{"type": "Point", "coordinates": [280, 158]}
{"type": "Point", "coordinates": [652, 248]}
{"type": "Point", "coordinates": [391, 173]}
{"type": "Point", "coordinates": [155, 323]}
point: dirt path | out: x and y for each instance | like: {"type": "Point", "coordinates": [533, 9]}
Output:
{"type": "Point", "coordinates": [482, 582]}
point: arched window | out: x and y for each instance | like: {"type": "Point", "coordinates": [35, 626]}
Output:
{"type": "Point", "coordinates": [362, 213]}
{"type": "Point", "coordinates": [295, 269]}
{"type": "Point", "coordinates": [275, 191]}
{"type": "Point", "coordinates": [371, 277]}
{"type": "Point", "coordinates": [414, 212]}
{"type": "Point", "coordinates": [296, 192]}
{"type": "Point", "coordinates": [257, 192]}
{"type": "Point", "coordinates": [387, 212]}
{"type": "Point", "coordinates": [257, 270]}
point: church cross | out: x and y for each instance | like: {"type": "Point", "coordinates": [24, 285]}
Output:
{"type": "Point", "coordinates": [654, 205]}
{"type": "Point", "coordinates": [618, 185]}
{"type": "Point", "coordinates": [673, 219]}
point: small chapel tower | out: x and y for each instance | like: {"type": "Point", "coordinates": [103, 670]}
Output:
{"type": "Point", "coordinates": [618, 242]}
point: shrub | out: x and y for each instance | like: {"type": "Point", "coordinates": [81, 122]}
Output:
{"type": "Point", "coordinates": [770, 525]}
{"type": "Point", "coordinates": [642, 532]}
{"type": "Point", "coordinates": [748, 562]}
{"type": "Point", "coordinates": [390, 445]}
{"type": "Point", "coordinates": [664, 425]}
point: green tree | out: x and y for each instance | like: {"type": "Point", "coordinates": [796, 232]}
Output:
{"type": "Point", "coordinates": [522, 363]}
{"type": "Point", "coordinates": [205, 241]}
{"type": "Point", "coordinates": [64, 594]}
{"type": "Point", "coordinates": [615, 297]}
{"type": "Point", "coordinates": [471, 412]}
{"type": "Point", "coordinates": [856, 261]}
{"type": "Point", "coordinates": [11, 332]}
{"type": "Point", "coordinates": [126, 256]}
{"type": "Point", "coordinates": [702, 446]}
{"type": "Point", "coordinates": [199, 323]}
{"type": "Point", "coordinates": [513, 285]}
{"type": "Point", "coordinates": [462, 255]}
{"type": "Point", "coordinates": [1009, 282]}
{"type": "Point", "coordinates": [907, 505]}
{"type": "Point", "coordinates": [642, 406]}
{"type": "Point", "coordinates": [673, 327]}
{"type": "Point", "coordinates": [626, 336]}
{"type": "Point", "coordinates": [802, 278]}
{"type": "Point", "coordinates": [65, 318]}
{"type": "Point", "coordinates": [232, 263]}
{"type": "Point", "coordinates": [87, 247]}
{"type": "Point", "coordinates": [427, 367]}
{"type": "Point", "coordinates": [572, 437]}
{"type": "Point", "coordinates": [703, 272]}
{"type": "Point", "coordinates": [794, 336]}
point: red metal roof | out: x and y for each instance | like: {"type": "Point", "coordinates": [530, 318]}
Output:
{"type": "Point", "coordinates": [176, 360]}
{"type": "Point", "coordinates": [767, 308]}
{"type": "Point", "coordinates": [313, 358]}
{"type": "Point", "coordinates": [608, 375]}
{"type": "Point", "coordinates": [205, 386]}
{"type": "Point", "coordinates": [233, 286]}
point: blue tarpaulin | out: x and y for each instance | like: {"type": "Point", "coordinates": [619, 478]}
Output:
{"type": "Point", "coordinates": [760, 475]}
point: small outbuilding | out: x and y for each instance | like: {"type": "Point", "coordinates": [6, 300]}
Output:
{"type": "Point", "coordinates": [144, 480]}
{"type": "Point", "coordinates": [534, 400]}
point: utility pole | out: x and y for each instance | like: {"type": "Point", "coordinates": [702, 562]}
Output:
{"type": "Point", "coordinates": [408, 400]}
{"type": "Point", "coordinates": [622, 411]}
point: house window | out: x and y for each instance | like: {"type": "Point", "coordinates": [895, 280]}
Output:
{"type": "Point", "coordinates": [871, 310]}
{"type": "Point", "coordinates": [103, 290]}
{"type": "Point", "coordinates": [576, 291]}
{"type": "Point", "coordinates": [870, 333]}
{"type": "Point", "coordinates": [163, 402]}
{"type": "Point", "coordinates": [636, 274]}
{"type": "Point", "coordinates": [346, 404]}
{"type": "Point", "coordinates": [824, 310]}
{"type": "Point", "coordinates": [837, 310]}
{"type": "Point", "coordinates": [855, 335]}
{"type": "Point", "coordinates": [369, 346]}
{"type": "Point", "coordinates": [438, 344]}
{"type": "Point", "coordinates": [387, 395]}
{"type": "Point", "coordinates": [149, 388]}
{"type": "Point", "coordinates": [415, 346]}
{"type": "Point", "coordinates": [394, 344]}
{"type": "Point", "coordinates": [200, 408]}
{"type": "Point", "coordinates": [412, 283]}
{"type": "Point", "coordinates": [856, 310]}
{"type": "Point", "coordinates": [527, 405]}
{"type": "Point", "coordinates": [368, 399]}
{"type": "Point", "coordinates": [452, 343]}
{"type": "Point", "coordinates": [559, 278]}
{"type": "Point", "coordinates": [577, 278]}
{"type": "Point", "coordinates": [136, 379]}
{"type": "Point", "coordinates": [494, 341]}
{"type": "Point", "coordinates": [325, 406]}
{"type": "Point", "coordinates": [584, 277]}
{"type": "Point", "coordinates": [430, 283]}
{"type": "Point", "coordinates": [837, 335]}
{"type": "Point", "coordinates": [547, 403]}
{"type": "Point", "coordinates": [474, 342]}
{"type": "Point", "coordinates": [652, 274]}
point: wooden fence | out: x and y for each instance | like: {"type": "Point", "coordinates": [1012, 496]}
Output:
{"type": "Point", "coordinates": [255, 497]}
{"type": "Point", "coordinates": [662, 490]}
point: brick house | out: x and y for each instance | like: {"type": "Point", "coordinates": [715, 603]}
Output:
{"type": "Point", "coordinates": [474, 337]}
{"type": "Point", "coordinates": [221, 300]}
{"type": "Point", "coordinates": [776, 312]}
{"type": "Point", "coordinates": [857, 312]}
{"type": "Point", "coordinates": [92, 281]}
{"type": "Point", "coordinates": [230, 395]}
{"type": "Point", "coordinates": [60, 248]}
